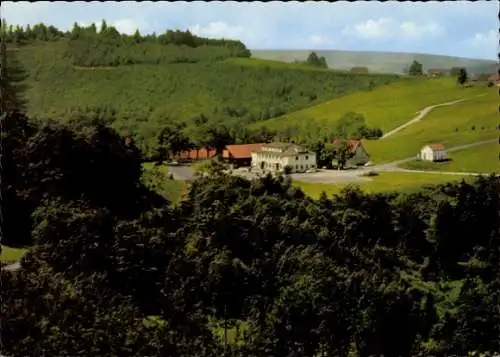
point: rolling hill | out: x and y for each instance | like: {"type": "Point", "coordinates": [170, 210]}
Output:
{"type": "Point", "coordinates": [384, 62]}
{"type": "Point", "coordinates": [139, 98]}
{"type": "Point", "coordinates": [385, 107]}
{"type": "Point", "coordinates": [463, 123]}
{"type": "Point", "coordinates": [482, 159]}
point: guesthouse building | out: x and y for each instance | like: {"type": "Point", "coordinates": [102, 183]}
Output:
{"type": "Point", "coordinates": [276, 157]}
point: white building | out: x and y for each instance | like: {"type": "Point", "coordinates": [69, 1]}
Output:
{"type": "Point", "coordinates": [433, 152]}
{"type": "Point", "coordinates": [276, 156]}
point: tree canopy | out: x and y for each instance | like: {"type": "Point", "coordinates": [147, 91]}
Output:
{"type": "Point", "coordinates": [415, 69]}
{"type": "Point", "coordinates": [238, 267]}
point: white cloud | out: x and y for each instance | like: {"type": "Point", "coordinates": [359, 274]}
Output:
{"type": "Point", "coordinates": [318, 40]}
{"type": "Point", "coordinates": [485, 39]}
{"type": "Point", "coordinates": [386, 28]}
{"type": "Point", "coordinates": [126, 26]}
{"type": "Point", "coordinates": [218, 30]}
{"type": "Point", "coordinates": [411, 30]}
{"type": "Point", "coordinates": [371, 29]}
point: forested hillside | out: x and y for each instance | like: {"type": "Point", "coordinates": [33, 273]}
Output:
{"type": "Point", "coordinates": [238, 268]}
{"type": "Point", "coordinates": [142, 84]}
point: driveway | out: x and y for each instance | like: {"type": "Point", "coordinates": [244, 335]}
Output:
{"type": "Point", "coordinates": [355, 175]}
{"type": "Point", "coordinates": [182, 172]}
{"type": "Point", "coordinates": [12, 267]}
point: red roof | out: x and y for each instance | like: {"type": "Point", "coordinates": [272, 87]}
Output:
{"type": "Point", "coordinates": [353, 144]}
{"type": "Point", "coordinates": [436, 146]}
{"type": "Point", "coordinates": [197, 154]}
{"type": "Point", "coordinates": [359, 70]}
{"type": "Point", "coordinates": [494, 78]}
{"type": "Point", "coordinates": [242, 151]}
{"type": "Point", "coordinates": [435, 70]}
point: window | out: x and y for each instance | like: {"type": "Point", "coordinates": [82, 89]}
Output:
{"type": "Point", "coordinates": [307, 157]}
{"type": "Point", "coordinates": [296, 157]}
{"type": "Point", "coordinates": [296, 167]}
{"type": "Point", "coordinates": [313, 166]}
{"type": "Point", "coordinates": [307, 166]}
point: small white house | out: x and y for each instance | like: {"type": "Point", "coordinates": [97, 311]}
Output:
{"type": "Point", "coordinates": [275, 157]}
{"type": "Point", "coordinates": [433, 152]}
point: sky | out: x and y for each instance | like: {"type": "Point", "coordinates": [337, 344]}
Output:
{"type": "Point", "coordinates": [455, 28]}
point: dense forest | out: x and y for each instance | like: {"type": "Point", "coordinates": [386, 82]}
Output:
{"type": "Point", "coordinates": [237, 268]}
{"type": "Point", "coordinates": [143, 84]}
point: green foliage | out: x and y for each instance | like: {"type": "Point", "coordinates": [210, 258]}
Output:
{"type": "Point", "coordinates": [381, 62]}
{"type": "Point", "coordinates": [415, 69]}
{"type": "Point", "coordinates": [450, 126]}
{"type": "Point", "coordinates": [157, 179]}
{"type": "Point", "coordinates": [386, 107]}
{"type": "Point", "coordinates": [12, 81]}
{"type": "Point", "coordinates": [115, 270]}
{"type": "Point", "coordinates": [352, 126]}
{"type": "Point", "coordinates": [141, 86]}
{"type": "Point", "coordinates": [481, 159]}
{"type": "Point", "coordinates": [373, 273]}
{"type": "Point", "coordinates": [462, 76]}
{"type": "Point", "coordinates": [10, 255]}
{"type": "Point", "coordinates": [315, 61]}
{"type": "Point", "coordinates": [341, 154]}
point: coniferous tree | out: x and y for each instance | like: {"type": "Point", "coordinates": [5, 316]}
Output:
{"type": "Point", "coordinates": [12, 77]}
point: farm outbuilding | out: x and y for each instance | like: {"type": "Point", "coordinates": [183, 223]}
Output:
{"type": "Point", "coordinates": [433, 152]}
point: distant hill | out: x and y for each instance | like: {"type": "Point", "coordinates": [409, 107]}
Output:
{"type": "Point", "coordinates": [385, 62]}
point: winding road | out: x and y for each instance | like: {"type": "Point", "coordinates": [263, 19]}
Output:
{"type": "Point", "coordinates": [422, 113]}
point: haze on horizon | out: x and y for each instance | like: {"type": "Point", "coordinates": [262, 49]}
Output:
{"type": "Point", "coordinates": [450, 28]}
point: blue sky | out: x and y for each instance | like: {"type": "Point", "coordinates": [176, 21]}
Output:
{"type": "Point", "coordinates": [456, 28]}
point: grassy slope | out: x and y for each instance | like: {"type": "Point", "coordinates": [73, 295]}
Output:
{"type": "Point", "coordinates": [11, 255]}
{"type": "Point", "coordinates": [390, 62]}
{"type": "Point", "coordinates": [385, 107]}
{"type": "Point", "coordinates": [156, 178]}
{"type": "Point", "coordinates": [384, 182]}
{"type": "Point", "coordinates": [451, 126]}
{"type": "Point", "coordinates": [482, 159]}
{"type": "Point", "coordinates": [176, 90]}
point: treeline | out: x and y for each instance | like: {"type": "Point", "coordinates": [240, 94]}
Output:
{"type": "Point", "coordinates": [91, 47]}
{"type": "Point", "coordinates": [238, 268]}
{"type": "Point", "coordinates": [314, 61]}
{"type": "Point", "coordinates": [214, 133]}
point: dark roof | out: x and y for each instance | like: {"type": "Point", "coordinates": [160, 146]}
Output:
{"type": "Point", "coordinates": [353, 144]}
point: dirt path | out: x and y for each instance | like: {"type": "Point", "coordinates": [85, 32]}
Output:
{"type": "Point", "coordinates": [393, 166]}
{"type": "Point", "coordinates": [12, 267]}
{"type": "Point", "coordinates": [422, 113]}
